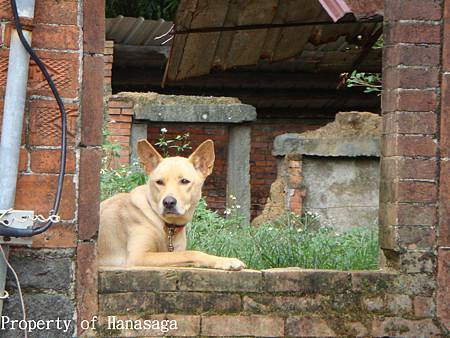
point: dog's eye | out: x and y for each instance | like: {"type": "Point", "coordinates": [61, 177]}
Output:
{"type": "Point", "coordinates": [185, 181]}
{"type": "Point", "coordinates": [159, 182]}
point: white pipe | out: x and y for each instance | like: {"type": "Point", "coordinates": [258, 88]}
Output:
{"type": "Point", "coordinates": [14, 107]}
{"type": "Point", "coordinates": [13, 112]}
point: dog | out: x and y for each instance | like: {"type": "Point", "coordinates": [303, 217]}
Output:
{"type": "Point", "coordinates": [140, 228]}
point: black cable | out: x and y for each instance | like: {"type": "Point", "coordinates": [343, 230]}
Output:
{"type": "Point", "coordinates": [14, 232]}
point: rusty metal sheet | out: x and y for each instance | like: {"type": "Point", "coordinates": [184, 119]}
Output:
{"type": "Point", "coordinates": [221, 34]}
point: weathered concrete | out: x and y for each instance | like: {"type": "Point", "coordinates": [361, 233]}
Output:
{"type": "Point", "coordinates": [351, 134]}
{"type": "Point", "coordinates": [181, 108]}
{"type": "Point", "coordinates": [344, 192]}
{"type": "Point", "coordinates": [351, 147]}
{"type": "Point", "coordinates": [238, 169]}
{"type": "Point", "coordinates": [138, 131]}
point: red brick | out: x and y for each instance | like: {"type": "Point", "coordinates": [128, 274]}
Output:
{"type": "Point", "coordinates": [58, 236]}
{"type": "Point", "coordinates": [307, 326]}
{"type": "Point", "coordinates": [410, 101]}
{"type": "Point", "coordinates": [397, 327]}
{"type": "Point", "coordinates": [408, 145]}
{"type": "Point", "coordinates": [64, 69]}
{"type": "Point", "coordinates": [47, 161]}
{"type": "Point", "coordinates": [37, 193]}
{"type": "Point", "coordinates": [89, 195]}
{"type": "Point", "coordinates": [127, 111]}
{"type": "Point", "coordinates": [424, 306]}
{"type": "Point", "coordinates": [417, 169]}
{"type": "Point", "coordinates": [92, 100]}
{"type": "Point", "coordinates": [121, 118]}
{"type": "Point", "coordinates": [86, 283]}
{"type": "Point", "coordinates": [444, 198]}
{"type": "Point", "coordinates": [23, 160]}
{"type": "Point", "coordinates": [400, 10]}
{"type": "Point", "coordinates": [253, 325]}
{"type": "Point", "coordinates": [410, 123]}
{"type": "Point", "coordinates": [416, 238]}
{"type": "Point", "coordinates": [412, 191]}
{"type": "Point", "coordinates": [56, 37]}
{"type": "Point", "coordinates": [413, 32]}
{"type": "Point", "coordinates": [411, 78]}
{"type": "Point", "coordinates": [56, 12]}
{"type": "Point", "coordinates": [407, 55]}
{"type": "Point", "coordinates": [120, 103]}
{"type": "Point", "coordinates": [445, 115]}
{"type": "Point", "coordinates": [443, 292]}
{"type": "Point", "coordinates": [45, 123]}
{"type": "Point", "coordinates": [446, 38]}
{"type": "Point", "coordinates": [416, 215]}
{"type": "Point", "coordinates": [93, 27]}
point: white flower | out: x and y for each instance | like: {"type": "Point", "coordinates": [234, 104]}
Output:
{"type": "Point", "coordinates": [227, 211]}
{"type": "Point", "coordinates": [163, 130]}
{"type": "Point", "coordinates": [232, 197]}
{"type": "Point", "coordinates": [238, 206]}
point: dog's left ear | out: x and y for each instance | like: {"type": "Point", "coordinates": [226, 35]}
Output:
{"type": "Point", "coordinates": [203, 158]}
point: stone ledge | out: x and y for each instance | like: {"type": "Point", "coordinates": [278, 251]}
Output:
{"type": "Point", "coordinates": [333, 147]}
{"type": "Point", "coordinates": [180, 108]}
{"type": "Point", "coordinates": [114, 280]}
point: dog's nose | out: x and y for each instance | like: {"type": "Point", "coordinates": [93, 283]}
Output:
{"type": "Point", "coordinates": [169, 202]}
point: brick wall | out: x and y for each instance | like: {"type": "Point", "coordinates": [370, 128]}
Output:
{"type": "Point", "coordinates": [263, 165]}
{"type": "Point", "coordinates": [120, 116]}
{"type": "Point", "coordinates": [75, 61]}
{"type": "Point", "coordinates": [414, 218]}
{"type": "Point", "coordinates": [270, 303]}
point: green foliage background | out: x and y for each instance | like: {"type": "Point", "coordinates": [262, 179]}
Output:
{"type": "Point", "coordinates": [148, 9]}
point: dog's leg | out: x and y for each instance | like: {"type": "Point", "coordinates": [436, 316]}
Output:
{"type": "Point", "coordinates": [183, 258]}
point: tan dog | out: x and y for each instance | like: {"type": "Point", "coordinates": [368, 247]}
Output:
{"type": "Point", "coordinates": [134, 227]}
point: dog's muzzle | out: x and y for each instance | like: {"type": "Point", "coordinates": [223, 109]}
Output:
{"type": "Point", "coordinates": [170, 205]}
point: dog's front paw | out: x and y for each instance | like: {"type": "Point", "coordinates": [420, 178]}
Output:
{"type": "Point", "coordinates": [232, 264]}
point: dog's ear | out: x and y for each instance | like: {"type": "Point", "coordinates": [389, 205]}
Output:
{"type": "Point", "coordinates": [203, 158]}
{"type": "Point", "coordinates": [148, 156]}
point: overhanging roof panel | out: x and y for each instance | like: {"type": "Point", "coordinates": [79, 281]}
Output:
{"type": "Point", "coordinates": [221, 34]}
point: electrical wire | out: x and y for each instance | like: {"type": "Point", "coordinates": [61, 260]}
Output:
{"type": "Point", "coordinates": [19, 288]}
{"type": "Point", "coordinates": [14, 232]}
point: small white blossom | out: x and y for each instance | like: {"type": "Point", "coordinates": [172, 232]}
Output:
{"type": "Point", "coordinates": [163, 130]}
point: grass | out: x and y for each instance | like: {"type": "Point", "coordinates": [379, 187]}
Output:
{"type": "Point", "coordinates": [290, 241]}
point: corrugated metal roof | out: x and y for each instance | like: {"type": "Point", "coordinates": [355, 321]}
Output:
{"type": "Point", "coordinates": [224, 34]}
{"type": "Point", "coordinates": [136, 31]}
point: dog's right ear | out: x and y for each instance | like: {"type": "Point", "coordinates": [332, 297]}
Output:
{"type": "Point", "coordinates": [148, 155]}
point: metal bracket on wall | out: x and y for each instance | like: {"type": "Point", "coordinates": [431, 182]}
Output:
{"type": "Point", "coordinates": [21, 219]}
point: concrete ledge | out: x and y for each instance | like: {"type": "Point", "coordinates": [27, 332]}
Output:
{"type": "Point", "coordinates": [268, 303]}
{"type": "Point", "coordinates": [349, 146]}
{"type": "Point", "coordinates": [181, 108]}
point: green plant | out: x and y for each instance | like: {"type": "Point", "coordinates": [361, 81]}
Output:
{"type": "Point", "coordinates": [116, 178]}
{"type": "Point", "coordinates": [180, 143]}
{"type": "Point", "coordinates": [371, 81]}
{"type": "Point", "coordinates": [148, 9]}
{"type": "Point", "coordinates": [290, 241]}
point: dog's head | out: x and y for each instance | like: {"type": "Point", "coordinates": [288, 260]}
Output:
{"type": "Point", "coordinates": [176, 182]}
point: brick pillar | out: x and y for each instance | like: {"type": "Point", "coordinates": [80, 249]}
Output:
{"type": "Point", "coordinates": [412, 146]}
{"type": "Point", "coordinates": [108, 58]}
{"type": "Point", "coordinates": [120, 114]}
{"type": "Point", "coordinates": [443, 294]}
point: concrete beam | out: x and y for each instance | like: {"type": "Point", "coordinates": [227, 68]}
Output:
{"type": "Point", "coordinates": [238, 169]}
{"type": "Point", "coordinates": [212, 113]}
{"type": "Point", "coordinates": [339, 146]}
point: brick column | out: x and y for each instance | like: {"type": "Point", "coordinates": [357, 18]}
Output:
{"type": "Point", "coordinates": [412, 147]}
